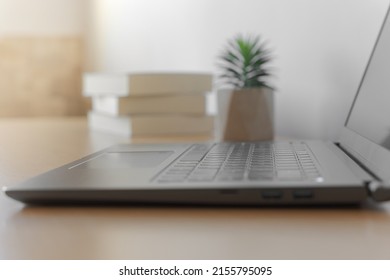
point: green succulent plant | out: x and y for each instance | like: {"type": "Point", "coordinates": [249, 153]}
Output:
{"type": "Point", "coordinates": [243, 63]}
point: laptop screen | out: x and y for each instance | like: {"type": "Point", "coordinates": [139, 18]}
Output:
{"type": "Point", "coordinates": [370, 113]}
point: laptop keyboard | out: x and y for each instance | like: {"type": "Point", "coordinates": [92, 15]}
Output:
{"type": "Point", "coordinates": [242, 161]}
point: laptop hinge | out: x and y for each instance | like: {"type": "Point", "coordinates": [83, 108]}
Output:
{"type": "Point", "coordinates": [378, 190]}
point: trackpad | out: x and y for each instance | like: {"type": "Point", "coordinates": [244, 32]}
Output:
{"type": "Point", "coordinates": [122, 160]}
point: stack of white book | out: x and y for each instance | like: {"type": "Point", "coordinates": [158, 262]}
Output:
{"type": "Point", "coordinates": [146, 104]}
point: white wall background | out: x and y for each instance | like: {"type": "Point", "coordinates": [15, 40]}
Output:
{"type": "Point", "coordinates": [42, 17]}
{"type": "Point", "coordinates": [320, 47]}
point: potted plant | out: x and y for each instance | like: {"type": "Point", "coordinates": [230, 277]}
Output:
{"type": "Point", "coordinates": [245, 109]}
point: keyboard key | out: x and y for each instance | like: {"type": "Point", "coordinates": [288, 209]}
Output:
{"type": "Point", "coordinates": [289, 174]}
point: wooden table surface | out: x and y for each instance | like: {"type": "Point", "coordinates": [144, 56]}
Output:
{"type": "Point", "coordinates": [32, 146]}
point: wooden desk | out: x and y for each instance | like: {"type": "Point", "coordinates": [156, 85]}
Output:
{"type": "Point", "coordinates": [29, 147]}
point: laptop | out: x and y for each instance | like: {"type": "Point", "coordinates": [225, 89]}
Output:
{"type": "Point", "coordinates": [350, 171]}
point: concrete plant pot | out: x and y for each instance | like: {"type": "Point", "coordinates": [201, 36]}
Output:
{"type": "Point", "coordinates": [245, 115]}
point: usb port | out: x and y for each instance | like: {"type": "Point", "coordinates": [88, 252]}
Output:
{"type": "Point", "coordinates": [271, 194]}
{"type": "Point", "coordinates": [299, 194]}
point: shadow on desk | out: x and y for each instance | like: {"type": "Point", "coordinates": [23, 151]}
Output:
{"type": "Point", "coordinates": [92, 232]}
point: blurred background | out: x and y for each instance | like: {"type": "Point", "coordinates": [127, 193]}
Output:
{"type": "Point", "coordinates": [41, 57]}
{"type": "Point", "coordinates": [320, 50]}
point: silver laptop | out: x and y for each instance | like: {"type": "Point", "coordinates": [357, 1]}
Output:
{"type": "Point", "coordinates": [251, 173]}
